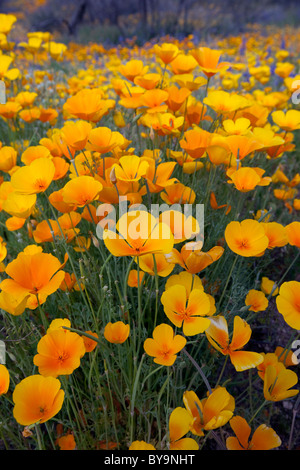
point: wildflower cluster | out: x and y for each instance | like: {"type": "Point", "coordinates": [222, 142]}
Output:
{"type": "Point", "coordinates": [136, 329]}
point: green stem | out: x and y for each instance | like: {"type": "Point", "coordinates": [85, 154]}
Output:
{"type": "Point", "coordinates": [258, 410]}
{"type": "Point", "coordinates": [199, 370]}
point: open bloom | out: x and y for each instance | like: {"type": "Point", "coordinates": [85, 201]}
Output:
{"type": "Point", "coordinates": [166, 52]}
{"type": "Point", "coordinates": [88, 104]}
{"type": "Point", "coordinates": [263, 438]}
{"type": "Point", "coordinates": [139, 233]}
{"type": "Point", "coordinates": [33, 273]}
{"type": "Point", "coordinates": [130, 168]}
{"type": "Point", "coordinates": [59, 352]}
{"type": "Point", "coordinates": [37, 399]}
{"type": "Point", "coordinates": [208, 60]}
{"type": "Point", "coordinates": [133, 68]}
{"type": "Point", "coordinates": [188, 311]}
{"type": "Point", "coordinates": [211, 412]}
{"type": "Point", "coordinates": [256, 300]}
{"type": "Point", "coordinates": [192, 258]}
{"type": "Point", "coordinates": [293, 233]}
{"type": "Point", "coordinates": [34, 178]}
{"type": "Point", "coordinates": [218, 335]}
{"type": "Point", "coordinates": [246, 178]}
{"type": "Point", "coordinates": [81, 190]}
{"type": "Point", "coordinates": [276, 234]}
{"type": "Point", "coordinates": [246, 238]}
{"type": "Point", "coordinates": [179, 426]}
{"type": "Point", "coordinates": [277, 384]}
{"type": "Point", "coordinates": [288, 121]}
{"type": "Point", "coordinates": [288, 303]}
{"type": "Point", "coordinates": [165, 345]}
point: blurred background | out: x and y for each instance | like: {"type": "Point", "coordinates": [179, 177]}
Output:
{"type": "Point", "coordinates": [118, 21]}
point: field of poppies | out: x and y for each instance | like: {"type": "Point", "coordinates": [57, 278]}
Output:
{"type": "Point", "coordinates": [149, 250]}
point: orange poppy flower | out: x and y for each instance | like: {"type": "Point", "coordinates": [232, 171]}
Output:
{"type": "Point", "coordinates": [117, 332]}
{"type": "Point", "coordinates": [176, 97]}
{"type": "Point", "coordinates": [179, 426]}
{"type": "Point", "coordinates": [223, 102]}
{"type": "Point", "coordinates": [187, 311]}
{"type": "Point", "coordinates": [276, 234]}
{"type": "Point", "coordinates": [288, 303]}
{"type": "Point", "coordinates": [81, 191]}
{"type": "Point", "coordinates": [59, 352]}
{"type": "Point", "coordinates": [178, 193]}
{"type": "Point", "coordinates": [209, 413]}
{"type": "Point", "coordinates": [208, 60]}
{"type": "Point", "coordinates": [256, 300]}
{"type": "Point", "coordinates": [65, 224]}
{"type": "Point", "coordinates": [4, 379]}
{"type": "Point", "coordinates": [193, 259]}
{"type": "Point", "coordinates": [187, 80]}
{"type": "Point", "coordinates": [33, 152]}
{"type": "Point", "coordinates": [11, 304]}
{"type": "Point", "coordinates": [103, 140]}
{"type": "Point", "coordinates": [66, 442]}
{"type": "Point", "coordinates": [293, 233]}
{"type": "Point", "coordinates": [75, 134]}
{"type": "Point", "coordinates": [139, 233]}
{"type": "Point", "coordinates": [8, 158]}
{"type": "Point", "coordinates": [287, 121]}
{"type": "Point", "coordinates": [183, 63]}
{"type": "Point", "coordinates": [195, 142]}
{"type": "Point", "coordinates": [37, 399]}
{"type": "Point", "coordinates": [165, 345]}
{"type": "Point", "coordinates": [30, 115]}
{"type": "Point", "coordinates": [277, 384]}
{"type": "Point", "coordinates": [131, 97]}
{"type": "Point", "coordinates": [246, 238]}
{"type": "Point", "coordinates": [133, 68]}
{"type": "Point", "coordinates": [130, 168]}
{"type": "Point", "coordinates": [246, 179]}
{"type": "Point", "coordinates": [148, 81]}
{"type": "Point", "coordinates": [10, 109]}
{"type": "Point", "coordinates": [135, 278]}
{"type": "Point", "coordinates": [270, 359]}
{"type": "Point", "coordinates": [37, 274]}
{"type": "Point", "coordinates": [34, 178]}
{"type": "Point", "coordinates": [263, 438]}
{"type": "Point", "coordinates": [156, 263]}
{"type": "Point", "coordinates": [158, 176]}
{"type": "Point", "coordinates": [88, 104]}
{"type": "Point", "coordinates": [214, 204]}
{"type": "Point", "coordinates": [242, 145]}
{"type": "Point", "coordinates": [141, 445]}
{"type": "Point", "coordinates": [56, 200]}
{"type": "Point", "coordinates": [183, 227]}
{"type": "Point", "coordinates": [240, 126]}
{"type": "Point", "coordinates": [166, 52]}
{"type": "Point", "coordinates": [217, 334]}
{"type": "Point", "coordinates": [155, 100]}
